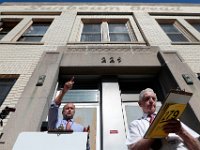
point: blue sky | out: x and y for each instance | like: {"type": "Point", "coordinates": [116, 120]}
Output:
{"type": "Point", "coordinates": [138, 1]}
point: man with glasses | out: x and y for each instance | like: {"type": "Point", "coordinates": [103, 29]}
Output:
{"type": "Point", "coordinates": [180, 136]}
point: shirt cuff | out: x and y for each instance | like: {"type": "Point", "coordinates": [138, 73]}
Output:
{"type": "Point", "coordinates": [53, 104]}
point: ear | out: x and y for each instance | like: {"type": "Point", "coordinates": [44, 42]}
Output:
{"type": "Point", "coordinates": [63, 109]}
{"type": "Point", "coordinates": [140, 104]}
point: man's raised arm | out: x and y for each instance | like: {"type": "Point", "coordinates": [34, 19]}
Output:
{"type": "Point", "coordinates": [68, 85]}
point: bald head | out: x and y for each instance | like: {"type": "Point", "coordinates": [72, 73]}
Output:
{"type": "Point", "coordinates": [68, 111]}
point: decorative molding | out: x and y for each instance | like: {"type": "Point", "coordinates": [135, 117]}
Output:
{"type": "Point", "coordinates": [108, 49]}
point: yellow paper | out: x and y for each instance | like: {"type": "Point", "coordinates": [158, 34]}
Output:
{"type": "Point", "coordinates": [172, 111]}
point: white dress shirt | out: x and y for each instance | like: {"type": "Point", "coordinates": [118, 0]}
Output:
{"type": "Point", "coordinates": [138, 128]}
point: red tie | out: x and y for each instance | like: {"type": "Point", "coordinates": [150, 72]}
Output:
{"type": "Point", "coordinates": [151, 116]}
{"type": "Point", "coordinates": [68, 126]}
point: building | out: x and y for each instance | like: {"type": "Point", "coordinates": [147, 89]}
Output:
{"type": "Point", "coordinates": [114, 50]}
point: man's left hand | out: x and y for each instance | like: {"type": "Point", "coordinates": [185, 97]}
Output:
{"type": "Point", "coordinates": [172, 126]}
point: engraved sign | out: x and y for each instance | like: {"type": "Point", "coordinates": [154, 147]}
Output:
{"type": "Point", "coordinates": [104, 8]}
{"type": "Point", "coordinates": [111, 60]}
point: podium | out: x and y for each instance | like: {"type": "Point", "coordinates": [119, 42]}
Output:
{"type": "Point", "coordinates": [51, 141]}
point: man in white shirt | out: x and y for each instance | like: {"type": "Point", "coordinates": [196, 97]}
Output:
{"type": "Point", "coordinates": [180, 136]}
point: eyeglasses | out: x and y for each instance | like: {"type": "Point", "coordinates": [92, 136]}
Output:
{"type": "Point", "coordinates": [147, 98]}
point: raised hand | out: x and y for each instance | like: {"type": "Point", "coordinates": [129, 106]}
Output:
{"type": "Point", "coordinates": [68, 85]}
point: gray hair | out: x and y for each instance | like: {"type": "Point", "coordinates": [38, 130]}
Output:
{"type": "Point", "coordinates": [144, 91]}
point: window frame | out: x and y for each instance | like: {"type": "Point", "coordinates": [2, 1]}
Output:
{"type": "Point", "coordinates": [131, 38]}
{"type": "Point", "coordinates": [179, 27]}
{"type": "Point", "coordinates": [35, 22]}
{"type": "Point", "coordinates": [133, 29]}
{"type": "Point", "coordinates": [68, 98]}
{"type": "Point", "coordinates": [97, 134]}
{"type": "Point", "coordinates": [12, 23]}
{"type": "Point", "coordinates": [8, 80]}
{"type": "Point", "coordinates": [176, 33]}
{"type": "Point", "coordinates": [134, 104]}
{"type": "Point", "coordinates": [25, 20]}
{"type": "Point", "coordinates": [92, 33]}
{"type": "Point", "coordinates": [182, 20]}
{"type": "Point", "coordinates": [193, 22]}
{"type": "Point", "coordinates": [78, 105]}
{"type": "Point", "coordinates": [105, 33]}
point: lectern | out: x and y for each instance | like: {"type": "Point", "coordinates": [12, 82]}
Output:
{"type": "Point", "coordinates": [51, 141]}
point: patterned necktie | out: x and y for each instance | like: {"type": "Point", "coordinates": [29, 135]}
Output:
{"type": "Point", "coordinates": [151, 116]}
{"type": "Point", "coordinates": [68, 125]}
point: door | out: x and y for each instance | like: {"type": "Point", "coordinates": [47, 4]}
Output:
{"type": "Point", "coordinates": [87, 109]}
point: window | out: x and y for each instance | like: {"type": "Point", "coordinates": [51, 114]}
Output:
{"type": "Point", "coordinates": [6, 27]}
{"type": "Point", "coordinates": [5, 86]}
{"type": "Point", "coordinates": [118, 32]}
{"type": "Point", "coordinates": [195, 24]}
{"type": "Point", "coordinates": [132, 111]}
{"type": "Point", "coordinates": [82, 96]}
{"type": "Point", "coordinates": [87, 114]}
{"type": "Point", "coordinates": [35, 32]}
{"type": "Point", "coordinates": [91, 32]}
{"type": "Point", "coordinates": [175, 31]}
{"type": "Point", "coordinates": [107, 31]}
{"type": "Point", "coordinates": [85, 95]}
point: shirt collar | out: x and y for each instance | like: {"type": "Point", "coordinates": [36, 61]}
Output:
{"type": "Point", "coordinates": [145, 115]}
{"type": "Point", "coordinates": [71, 120]}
